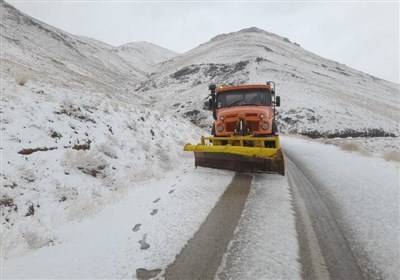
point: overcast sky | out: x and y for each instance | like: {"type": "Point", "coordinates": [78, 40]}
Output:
{"type": "Point", "coordinates": [362, 35]}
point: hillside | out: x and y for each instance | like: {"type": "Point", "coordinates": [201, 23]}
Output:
{"type": "Point", "coordinates": [74, 138]}
{"type": "Point", "coordinates": [34, 50]}
{"type": "Point", "coordinates": [319, 96]}
{"type": "Point", "coordinates": [145, 55]}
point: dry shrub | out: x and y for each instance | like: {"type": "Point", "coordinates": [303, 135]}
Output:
{"type": "Point", "coordinates": [392, 156]}
{"type": "Point", "coordinates": [20, 78]}
{"type": "Point", "coordinates": [108, 150]}
{"type": "Point", "coordinates": [65, 192]}
{"type": "Point", "coordinates": [28, 175]}
{"type": "Point", "coordinates": [88, 162]}
{"type": "Point", "coordinates": [353, 147]}
{"type": "Point", "coordinates": [36, 239]}
{"type": "Point", "coordinates": [350, 146]}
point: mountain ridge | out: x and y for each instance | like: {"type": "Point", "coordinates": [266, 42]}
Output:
{"type": "Point", "coordinates": [305, 80]}
{"type": "Point", "coordinates": [47, 53]}
{"type": "Point", "coordinates": [315, 91]}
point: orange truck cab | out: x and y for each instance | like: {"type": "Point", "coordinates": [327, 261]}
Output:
{"type": "Point", "coordinates": [244, 110]}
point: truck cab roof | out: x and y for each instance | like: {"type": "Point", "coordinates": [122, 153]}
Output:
{"type": "Point", "coordinates": [241, 87]}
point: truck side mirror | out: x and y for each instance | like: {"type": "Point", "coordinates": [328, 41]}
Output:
{"type": "Point", "coordinates": [278, 101]}
{"type": "Point", "coordinates": [210, 104]}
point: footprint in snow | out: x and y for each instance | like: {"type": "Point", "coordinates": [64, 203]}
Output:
{"type": "Point", "coordinates": [144, 274]}
{"type": "Point", "coordinates": [157, 200]}
{"type": "Point", "coordinates": [136, 227]}
{"type": "Point", "coordinates": [155, 211]}
{"type": "Point", "coordinates": [173, 185]}
{"type": "Point", "coordinates": [171, 191]}
{"type": "Point", "coordinates": [143, 244]}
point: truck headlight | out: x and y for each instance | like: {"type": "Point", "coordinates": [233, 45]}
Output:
{"type": "Point", "coordinates": [262, 116]}
{"type": "Point", "coordinates": [264, 126]}
{"type": "Point", "coordinates": [221, 118]}
{"type": "Point", "coordinates": [220, 128]}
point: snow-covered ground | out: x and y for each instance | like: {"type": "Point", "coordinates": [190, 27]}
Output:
{"type": "Point", "coordinates": [366, 191]}
{"type": "Point", "coordinates": [145, 230]}
{"type": "Point", "coordinates": [67, 153]}
{"type": "Point", "coordinates": [385, 147]}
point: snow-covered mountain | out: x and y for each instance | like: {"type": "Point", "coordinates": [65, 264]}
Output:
{"type": "Point", "coordinates": [147, 55]}
{"type": "Point", "coordinates": [319, 96]}
{"type": "Point", "coordinates": [34, 50]}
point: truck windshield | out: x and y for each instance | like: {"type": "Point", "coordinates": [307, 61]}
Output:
{"type": "Point", "coordinates": [242, 97]}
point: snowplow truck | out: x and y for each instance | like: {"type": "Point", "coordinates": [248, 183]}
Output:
{"type": "Point", "coordinates": [244, 135]}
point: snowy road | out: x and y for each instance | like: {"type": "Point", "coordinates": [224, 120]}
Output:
{"type": "Point", "coordinates": [324, 250]}
{"type": "Point", "coordinates": [307, 225]}
{"type": "Point", "coordinates": [347, 211]}
{"type": "Point", "coordinates": [249, 234]}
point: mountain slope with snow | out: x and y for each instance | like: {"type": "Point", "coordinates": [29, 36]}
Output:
{"type": "Point", "coordinates": [145, 55]}
{"type": "Point", "coordinates": [34, 50]}
{"type": "Point", "coordinates": [67, 153]}
{"type": "Point", "coordinates": [74, 138]}
{"type": "Point", "coordinates": [319, 96]}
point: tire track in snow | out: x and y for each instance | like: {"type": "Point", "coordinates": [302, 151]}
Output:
{"type": "Point", "coordinates": [313, 266]}
{"type": "Point", "coordinates": [202, 256]}
{"type": "Point", "coordinates": [324, 250]}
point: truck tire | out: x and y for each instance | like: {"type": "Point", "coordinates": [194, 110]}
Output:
{"type": "Point", "coordinates": [274, 129]}
{"type": "Point", "coordinates": [213, 130]}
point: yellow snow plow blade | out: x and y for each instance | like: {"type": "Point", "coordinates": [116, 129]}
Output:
{"type": "Point", "coordinates": [239, 153]}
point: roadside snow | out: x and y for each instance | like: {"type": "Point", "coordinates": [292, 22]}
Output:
{"type": "Point", "coordinates": [164, 214]}
{"type": "Point", "coordinates": [93, 147]}
{"type": "Point", "coordinates": [265, 244]}
{"type": "Point", "coordinates": [365, 191]}
{"type": "Point", "coordinates": [385, 147]}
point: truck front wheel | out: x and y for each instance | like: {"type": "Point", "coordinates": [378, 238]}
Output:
{"type": "Point", "coordinates": [274, 128]}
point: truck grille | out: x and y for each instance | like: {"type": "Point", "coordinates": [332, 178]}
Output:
{"type": "Point", "coordinates": [251, 115]}
{"type": "Point", "coordinates": [230, 126]}
{"type": "Point", "coordinates": [253, 126]}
